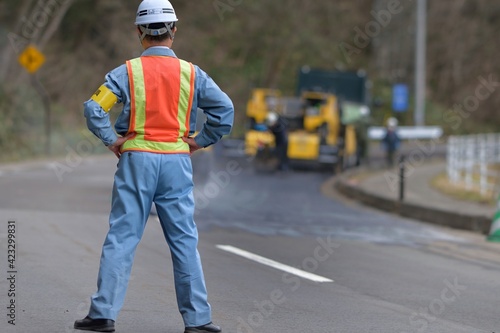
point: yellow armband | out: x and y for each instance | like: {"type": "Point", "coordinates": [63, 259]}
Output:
{"type": "Point", "coordinates": [105, 98]}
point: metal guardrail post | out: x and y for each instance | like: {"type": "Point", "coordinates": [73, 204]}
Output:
{"type": "Point", "coordinates": [401, 178]}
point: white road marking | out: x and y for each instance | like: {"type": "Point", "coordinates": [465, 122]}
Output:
{"type": "Point", "coordinates": [274, 264]}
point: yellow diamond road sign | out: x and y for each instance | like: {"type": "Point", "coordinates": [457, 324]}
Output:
{"type": "Point", "coordinates": [31, 58]}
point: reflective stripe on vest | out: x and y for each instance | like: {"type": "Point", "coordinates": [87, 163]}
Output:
{"type": "Point", "coordinates": [161, 90]}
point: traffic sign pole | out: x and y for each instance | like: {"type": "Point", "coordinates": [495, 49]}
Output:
{"type": "Point", "coordinates": [420, 67]}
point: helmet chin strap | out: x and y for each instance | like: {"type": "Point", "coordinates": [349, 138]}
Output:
{"type": "Point", "coordinates": [169, 31]}
{"type": "Point", "coordinates": [155, 32]}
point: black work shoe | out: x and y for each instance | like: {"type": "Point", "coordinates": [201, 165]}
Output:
{"type": "Point", "coordinates": [208, 328]}
{"type": "Point", "coordinates": [96, 325]}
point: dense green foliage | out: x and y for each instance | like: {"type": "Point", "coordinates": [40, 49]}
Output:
{"type": "Point", "coordinates": [241, 44]}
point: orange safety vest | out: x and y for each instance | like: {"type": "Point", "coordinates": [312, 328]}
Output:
{"type": "Point", "coordinates": [161, 91]}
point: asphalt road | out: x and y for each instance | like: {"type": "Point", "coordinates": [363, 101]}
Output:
{"type": "Point", "coordinates": [389, 274]}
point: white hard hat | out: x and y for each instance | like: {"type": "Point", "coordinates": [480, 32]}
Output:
{"type": "Point", "coordinates": [271, 118]}
{"type": "Point", "coordinates": [392, 122]}
{"type": "Point", "coordinates": [364, 111]}
{"type": "Point", "coordinates": [155, 11]}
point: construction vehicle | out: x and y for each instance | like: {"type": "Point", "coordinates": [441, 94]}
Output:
{"type": "Point", "coordinates": [320, 121]}
{"type": "Point", "coordinates": [260, 104]}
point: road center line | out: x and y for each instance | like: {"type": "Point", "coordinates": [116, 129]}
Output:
{"type": "Point", "coordinates": [274, 264]}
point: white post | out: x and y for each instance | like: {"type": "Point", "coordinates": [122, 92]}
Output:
{"type": "Point", "coordinates": [469, 161]}
{"type": "Point", "coordinates": [460, 158]}
{"type": "Point", "coordinates": [453, 159]}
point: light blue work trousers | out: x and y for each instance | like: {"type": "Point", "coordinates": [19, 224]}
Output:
{"type": "Point", "coordinates": [141, 179]}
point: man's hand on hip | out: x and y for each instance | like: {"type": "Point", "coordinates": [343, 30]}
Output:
{"type": "Point", "coordinates": [115, 147]}
{"type": "Point", "coordinates": [193, 146]}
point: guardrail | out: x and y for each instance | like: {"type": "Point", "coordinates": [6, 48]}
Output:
{"type": "Point", "coordinates": [408, 132]}
{"type": "Point", "coordinates": [473, 162]}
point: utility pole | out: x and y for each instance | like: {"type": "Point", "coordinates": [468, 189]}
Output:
{"type": "Point", "coordinates": [420, 67]}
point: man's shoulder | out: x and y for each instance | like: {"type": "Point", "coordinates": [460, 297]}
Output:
{"type": "Point", "coordinates": [188, 62]}
{"type": "Point", "coordinates": [119, 71]}
{"type": "Point", "coordinates": [200, 73]}
{"type": "Point", "coordinates": [196, 67]}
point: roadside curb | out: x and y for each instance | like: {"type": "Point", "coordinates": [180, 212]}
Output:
{"type": "Point", "coordinates": [476, 223]}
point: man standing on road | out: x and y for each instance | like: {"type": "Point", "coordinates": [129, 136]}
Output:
{"type": "Point", "coordinates": [391, 141]}
{"type": "Point", "coordinates": [160, 95]}
{"type": "Point", "coordinates": [277, 126]}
